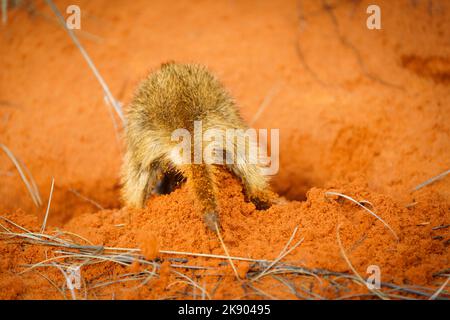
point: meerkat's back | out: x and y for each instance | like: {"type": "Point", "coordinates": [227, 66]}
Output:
{"type": "Point", "coordinates": [176, 95]}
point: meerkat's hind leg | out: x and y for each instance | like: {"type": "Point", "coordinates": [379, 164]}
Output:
{"type": "Point", "coordinates": [201, 179]}
{"type": "Point", "coordinates": [255, 185]}
{"type": "Point", "coordinates": [139, 181]}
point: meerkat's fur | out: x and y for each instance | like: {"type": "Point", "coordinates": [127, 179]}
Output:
{"type": "Point", "coordinates": [170, 98]}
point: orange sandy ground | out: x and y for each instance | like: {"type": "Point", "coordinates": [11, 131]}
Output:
{"type": "Point", "coordinates": [362, 112]}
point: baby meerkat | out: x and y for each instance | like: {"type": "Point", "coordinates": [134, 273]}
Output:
{"type": "Point", "coordinates": [173, 97]}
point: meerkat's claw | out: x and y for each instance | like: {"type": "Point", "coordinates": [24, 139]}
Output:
{"type": "Point", "coordinates": [168, 182]}
{"type": "Point", "coordinates": [211, 220]}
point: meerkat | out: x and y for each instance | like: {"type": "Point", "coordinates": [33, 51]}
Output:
{"type": "Point", "coordinates": [170, 98]}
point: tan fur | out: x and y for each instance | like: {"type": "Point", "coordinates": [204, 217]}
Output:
{"type": "Point", "coordinates": [173, 97]}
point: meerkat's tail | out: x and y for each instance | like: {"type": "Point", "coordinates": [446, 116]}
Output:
{"type": "Point", "coordinates": [200, 177]}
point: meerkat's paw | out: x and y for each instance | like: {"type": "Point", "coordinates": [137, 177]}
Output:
{"type": "Point", "coordinates": [263, 200]}
{"type": "Point", "coordinates": [211, 219]}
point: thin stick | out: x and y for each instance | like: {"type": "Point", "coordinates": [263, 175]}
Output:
{"type": "Point", "coordinates": [293, 271]}
{"type": "Point", "coordinates": [34, 195]}
{"type": "Point", "coordinates": [113, 119]}
{"type": "Point", "coordinates": [347, 260]}
{"type": "Point", "coordinates": [431, 180]}
{"type": "Point", "coordinates": [364, 207]}
{"type": "Point", "coordinates": [441, 227]}
{"type": "Point", "coordinates": [290, 286]}
{"type": "Point", "coordinates": [94, 203]}
{"type": "Point", "coordinates": [206, 255]}
{"type": "Point", "coordinates": [72, 292]}
{"type": "Point", "coordinates": [86, 56]}
{"type": "Point", "coordinates": [289, 241]}
{"type": "Point", "coordinates": [438, 291]}
{"type": "Point", "coordinates": [4, 11]}
{"type": "Point", "coordinates": [281, 256]}
{"type": "Point", "coordinates": [193, 283]}
{"type": "Point", "coordinates": [226, 252]}
{"type": "Point", "coordinates": [32, 181]}
{"type": "Point", "coordinates": [59, 232]}
{"type": "Point", "coordinates": [262, 292]}
{"type": "Point", "coordinates": [15, 224]}
{"type": "Point", "coordinates": [42, 263]}
{"type": "Point", "coordinates": [81, 33]}
{"type": "Point", "coordinates": [44, 223]}
{"type": "Point", "coordinates": [267, 99]}
{"type": "Point", "coordinates": [52, 283]}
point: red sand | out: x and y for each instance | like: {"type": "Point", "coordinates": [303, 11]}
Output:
{"type": "Point", "coordinates": [372, 131]}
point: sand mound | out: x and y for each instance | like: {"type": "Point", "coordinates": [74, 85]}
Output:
{"type": "Point", "coordinates": [363, 113]}
{"type": "Point", "coordinates": [171, 223]}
